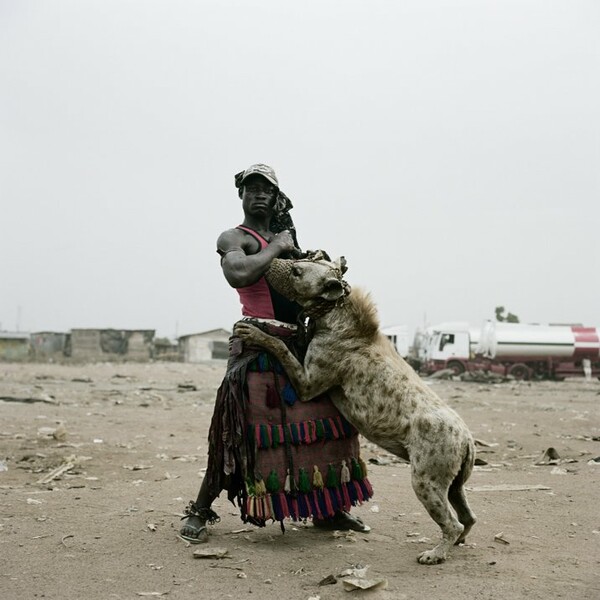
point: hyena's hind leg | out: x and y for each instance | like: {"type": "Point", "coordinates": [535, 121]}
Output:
{"type": "Point", "coordinates": [434, 497]}
{"type": "Point", "coordinates": [456, 492]}
{"type": "Point", "coordinates": [458, 499]}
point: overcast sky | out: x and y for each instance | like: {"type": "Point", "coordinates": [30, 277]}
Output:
{"type": "Point", "coordinates": [450, 150]}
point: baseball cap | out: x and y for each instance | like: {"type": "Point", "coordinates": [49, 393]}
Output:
{"type": "Point", "coordinates": [260, 169]}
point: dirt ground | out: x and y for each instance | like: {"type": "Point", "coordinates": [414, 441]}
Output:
{"type": "Point", "coordinates": [98, 461]}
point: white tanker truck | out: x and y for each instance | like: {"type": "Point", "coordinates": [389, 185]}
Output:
{"type": "Point", "coordinates": [521, 350]}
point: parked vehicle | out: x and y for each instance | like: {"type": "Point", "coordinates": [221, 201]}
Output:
{"type": "Point", "coordinates": [522, 350]}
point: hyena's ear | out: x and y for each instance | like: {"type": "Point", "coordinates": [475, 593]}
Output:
{"type": "Point", "coordinates": [341, 264]}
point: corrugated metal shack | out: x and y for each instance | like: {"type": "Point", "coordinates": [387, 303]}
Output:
{"type": "Point", "coordinates": [111, 345]}
{"type": "Point", "coordinates": [208, 345]}
{"type": "Point", "coordinates": [48, 345]}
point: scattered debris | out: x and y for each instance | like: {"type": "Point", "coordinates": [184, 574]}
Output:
{"type": "Point", "coordinates": [69, 463]}
{"type": "Point", "coordinates": [137, 467]}
{"type": "Point", "coordinates": [507, 487]}
{"type": "Point", "coordinates": [186, 387]}
{"type": "Point", "coordinates": [485, 444]}
{"type": "Point", "coordinates": [46, 399]}
{"type": "Point", "coordinates": [329, 580]}
{"type": "Point", "coordinates": [355, 579]}
{"type": "Point", "coordinates": [549, 457]}
{"type": "Point", "coordinates": [212, 552]}
{"type": "Point", "coordinates": [151, 526]}
{"type": "Point", "coordinates": [499, 537]}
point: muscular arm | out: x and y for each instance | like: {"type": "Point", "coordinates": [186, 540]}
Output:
{"type": "Point", "coordinates": [241, 266]}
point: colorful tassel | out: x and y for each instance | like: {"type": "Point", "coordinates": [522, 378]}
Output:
{"type": "Point", "coordinates": [272, 485]}
{"type": "Point", "coordinates": [289, 394]}
{"type": "Point", "coordinates": [334, 430]}
{"type": "Point", "coordinates": [317, 478]}
{"type": "Point", "coordinates": [264, 437]}
{"type": "Point", "coordinates": [275, 436]}
{"type": "Point", "coordinates": [320, 430]}
{"type": "Point", "coordinates": [356, 470]}
{"type": "Point", "coordinates": [363, 467]}
{"type": "Point", "coordinates": [295, 434]}
{"type": "Point", "coordinates": [303, 481]}
{"type": "Point", "coordinates": [332, 478]}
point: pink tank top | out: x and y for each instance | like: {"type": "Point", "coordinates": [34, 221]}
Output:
{"type": "Point", "coordinates": [256, 298]}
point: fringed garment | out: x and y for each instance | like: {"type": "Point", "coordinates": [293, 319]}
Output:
{"type": "Point", "coordinates": [276, 456]}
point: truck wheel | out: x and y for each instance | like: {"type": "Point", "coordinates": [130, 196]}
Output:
{"type": "Point", "coordinates": [519, 371]}
{"type": "Point", "coordinates": [456, 366]}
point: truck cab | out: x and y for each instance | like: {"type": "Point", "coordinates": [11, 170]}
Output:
{"type": "Point", "coordinates": [448, 347]}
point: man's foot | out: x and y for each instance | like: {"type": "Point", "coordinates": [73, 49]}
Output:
{"type": "Point", "coordinates": [342, 521]}
{"type": "Point", "coordinates": [194, 530]}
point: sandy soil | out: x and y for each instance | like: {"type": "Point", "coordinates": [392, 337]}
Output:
{"type": "Point", "coordinates": [131, 441]}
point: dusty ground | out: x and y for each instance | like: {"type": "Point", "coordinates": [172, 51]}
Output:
{"type": "Point", "coordinates": [135, 436]}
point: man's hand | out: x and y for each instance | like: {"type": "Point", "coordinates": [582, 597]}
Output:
{"type": "Point", "coordinates": [283, 241]}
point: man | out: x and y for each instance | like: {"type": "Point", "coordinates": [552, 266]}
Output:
{"type": "Point", "coordinates": [277, 457]}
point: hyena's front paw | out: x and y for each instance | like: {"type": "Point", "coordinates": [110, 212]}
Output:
{"type": "Point", "coordinates": [249, 333]}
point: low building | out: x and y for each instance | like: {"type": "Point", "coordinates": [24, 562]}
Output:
{"type": "Point", "coordinates": [48, 345]}
{"type": "Point", "coordinates": [208, 345]}
{"type": "Point", "coordinates": [14, 346]}
{"type": "Point", "coordinates": [111, 345]}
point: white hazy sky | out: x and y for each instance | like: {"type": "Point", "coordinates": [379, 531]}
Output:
{"type": "Point", "coordinates": [449, 149]}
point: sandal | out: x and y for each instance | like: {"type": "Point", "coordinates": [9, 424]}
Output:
{"type": "Point", "coordinates": [197, 534]}
{"type": "Point", "coordinates": [342, 521]}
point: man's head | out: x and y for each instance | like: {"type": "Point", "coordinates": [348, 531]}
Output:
{"type": "Point", "coordinates": [259, 169]}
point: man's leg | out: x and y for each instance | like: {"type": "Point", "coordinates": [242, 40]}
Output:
{"type": "Point", "coordinates": [198, 514]}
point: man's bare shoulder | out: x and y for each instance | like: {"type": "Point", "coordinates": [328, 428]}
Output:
{"type": "Point", "coordinates": [231, 239]}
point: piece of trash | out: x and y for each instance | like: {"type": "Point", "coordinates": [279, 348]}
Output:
{"type": "Point", "coordinates": [213, 552]}
{"type": "Point", "coordinates": [33, 501]}
{"type": "Point", "coordinates": [549, 457]}
{"type": "Point", "coordinates": [3, 466]}
{"type": "Point", "coordinates": [242, 530]}
{"type": "Point", "coordinates": [374, 508]}
{"type": "Point", "coordinates": [356, 571]}
{"type": "Point", "coordinates": [137, 467]}
{"type": "Point", "coordinates": [151, 593]}
{"type": "Point", "coordinates": [485, 444]}
{"type": "Point", "coordinates": [151, 526]}
{"type": "Point", "coordinates": [347, 535]}
{"type": "Point", "coordinates": [242, 575]}
{"type": "Point", "coordinates": [507, 487]}
{"type": "Point", "coordinates": [60, 433]}
{"type": "Point", "coordinates": [558, 471]}
{"type": "Point", "coordinates": [499, 537]}
{"type": "Point", "coordinates": [98, 441]}
{"type": "Point", "coordinates": [357, 583]}
{"type": "Point", "coordinates": [69, 463]}
{"type": "Point", "coordinates": [329, 580]}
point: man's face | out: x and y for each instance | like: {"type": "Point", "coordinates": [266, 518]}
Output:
{"type": "Point", "coordinates": [258, 196]}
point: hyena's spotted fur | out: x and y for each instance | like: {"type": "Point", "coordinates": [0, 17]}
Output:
{"type": "Point", "coordinates": [381, 395]}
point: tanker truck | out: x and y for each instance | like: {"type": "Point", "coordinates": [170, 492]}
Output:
{"type": "Point", "coordinates": [524, 351]}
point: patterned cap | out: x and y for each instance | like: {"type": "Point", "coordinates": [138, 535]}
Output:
{"type": "Point", "coordinates": [259, 169]}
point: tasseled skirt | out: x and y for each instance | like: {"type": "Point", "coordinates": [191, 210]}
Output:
{"type": "Point", "coordinates": [279, 457]}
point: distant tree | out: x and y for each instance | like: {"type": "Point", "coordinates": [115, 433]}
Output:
{"type": "Point", "coordinates": [509, 318]}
